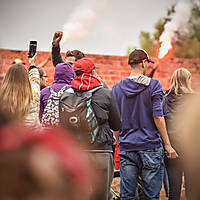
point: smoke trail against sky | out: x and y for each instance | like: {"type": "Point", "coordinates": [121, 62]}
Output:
{"type": "Point", "coordinates": [178, 24]}
{"type": "Point", "coordinates": [179, 20]}
{"type": "Point", "coordinates": [83, 18]}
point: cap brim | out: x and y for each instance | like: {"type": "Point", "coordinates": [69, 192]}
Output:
{"type": "Point", "coordinates": [149, 60]}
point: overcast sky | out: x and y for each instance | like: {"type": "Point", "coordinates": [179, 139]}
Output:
{"type": "Point", "coordinates": [116, 29]}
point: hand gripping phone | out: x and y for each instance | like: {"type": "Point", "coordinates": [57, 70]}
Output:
{"type": "Point", "coordinates": [32, 48]}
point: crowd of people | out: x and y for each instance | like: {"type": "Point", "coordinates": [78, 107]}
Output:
{"type": "Point", "coordinates": [44, 155]}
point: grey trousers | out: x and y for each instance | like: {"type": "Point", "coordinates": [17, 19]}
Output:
{"type": "Point", "coordinates": [104, 167]}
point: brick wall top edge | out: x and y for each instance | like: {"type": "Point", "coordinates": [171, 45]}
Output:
{"type": "Point", "coordinates": [106, 56]}
{"type": "Point", "coordinates": [13, 50]}
{"type": "Point", "coordinates": [166, 59]}
{"type": "Point", "coordinates": [17, 50]}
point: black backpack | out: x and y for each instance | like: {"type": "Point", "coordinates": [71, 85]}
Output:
{"type": "Point", "coordinates": [76, 113]}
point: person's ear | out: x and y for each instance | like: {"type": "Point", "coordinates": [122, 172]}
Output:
{"type": "Point", "coordinates": [143, 64]}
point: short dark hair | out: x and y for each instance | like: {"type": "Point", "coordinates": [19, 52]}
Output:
{"type": "Point", "coordinates": [69, 53]}
{"type": "Point", "coordinates": [76, 53]}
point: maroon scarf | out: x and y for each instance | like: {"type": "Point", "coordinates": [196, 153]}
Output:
{"type": "Point", "coordinates": [85, 82]}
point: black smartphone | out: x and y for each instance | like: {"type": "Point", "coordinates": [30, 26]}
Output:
{"type": "Point", "coordinates": [32, 48]}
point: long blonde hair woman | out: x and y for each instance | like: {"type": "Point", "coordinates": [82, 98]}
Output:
{"type": "Point", "coordinates": [174, 104]}
{"type": "Point", "coordinates": [20, 94]}
{"type": "Point", "coordinates": [180, 82]}
{"type": "Point", "coordinates": [16, 92]}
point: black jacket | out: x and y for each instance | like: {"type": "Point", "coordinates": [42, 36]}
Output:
{"type": "Point", "coordinates": [107, 114]}
{"type": "Point", "coordinates": [56, 56]}
{"type": "Point", "coordinates": [174, 106]}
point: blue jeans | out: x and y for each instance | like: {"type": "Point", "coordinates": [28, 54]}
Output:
{"type": "Point", "coordinates": [149, 165]}
{"type": "Point", "coordinates": [166, 183]}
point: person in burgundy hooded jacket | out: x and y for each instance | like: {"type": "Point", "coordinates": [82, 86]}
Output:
{"type": "Point", "coordinates": [63, 76]}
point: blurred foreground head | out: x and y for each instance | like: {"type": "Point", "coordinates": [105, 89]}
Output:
{"type": "Point", "coordinates": [191, 146]}
{"type": "Point", "coordinates": [1, 78]}
{"type": "Point", "coordinates": [42, 167]}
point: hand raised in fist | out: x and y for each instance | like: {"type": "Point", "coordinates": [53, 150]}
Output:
{"type": "Point", "coordinates": [57, 37]}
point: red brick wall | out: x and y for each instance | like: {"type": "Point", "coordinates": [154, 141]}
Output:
{"type": "Point", "coordinates": [111, 68]}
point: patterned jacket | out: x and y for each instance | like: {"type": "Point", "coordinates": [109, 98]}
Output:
{"type": "Point", "coordinates": [32, 119]}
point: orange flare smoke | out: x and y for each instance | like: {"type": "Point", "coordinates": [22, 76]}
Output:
{"type": "Point", "coordinates": [164, 48]}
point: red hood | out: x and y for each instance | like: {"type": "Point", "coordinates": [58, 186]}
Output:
{"type": "Point", "coordinates": [85, 82]}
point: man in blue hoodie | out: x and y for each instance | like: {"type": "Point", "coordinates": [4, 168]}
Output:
{"type": "Point", "coordinates": [143, 126]}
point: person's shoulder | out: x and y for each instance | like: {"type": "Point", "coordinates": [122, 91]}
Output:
{"type": "Point", "coordinates": [120, 82]}
{"type": "Point", "coordinates": [155, 82]}
{"type": "Point", "coordinates": [155, 86]}
{"type": "Point", "coordinates": [116, 85]}
{"type": "Point", "coordinates": [104, 90]}
{"type": "Point", "coordinates": [44, 91]}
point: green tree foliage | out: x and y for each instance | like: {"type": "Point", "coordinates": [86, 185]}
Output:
{"type": "Point", "coordinates": [147, 42]}
{"type": "Point", "coordinates": [195, 22]}
{"type": "Point", "coordinates": [186, 45]}
{"type": "Point", "coordinates": [129, 50]}
{"type": "Point", "coordinates": [190, 48]}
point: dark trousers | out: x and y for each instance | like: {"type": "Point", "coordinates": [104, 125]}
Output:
{"type": "Point", "coordinates": [104, 166]}
{"type": "Point", "coordinates": [175, 172]}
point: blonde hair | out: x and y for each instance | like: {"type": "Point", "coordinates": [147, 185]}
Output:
{"type": "Point", "coordinates": [16, 92]}
{"type": "Point", "coordinates": [180, 82]}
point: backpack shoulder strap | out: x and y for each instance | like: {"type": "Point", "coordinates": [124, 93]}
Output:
{"type": "Point", "coordinates": [95, 89]}
{"type": "Point", "coordinates": [52, 91]}
{"type": "Point", "coordinates": [70, 90]}
{"type": "Point", "coordinates": [59, 92]}
{"type": "Point", "coordinates": [62, 89]}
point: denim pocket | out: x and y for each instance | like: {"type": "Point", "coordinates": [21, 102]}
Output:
{"type": "Point", "coordinates": [152, 159]}
{"type": "Point", "coordinates": [122, 158]}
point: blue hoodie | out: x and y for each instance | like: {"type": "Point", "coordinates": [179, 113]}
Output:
{"type": "Point", "coordinates": [139, 100]}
